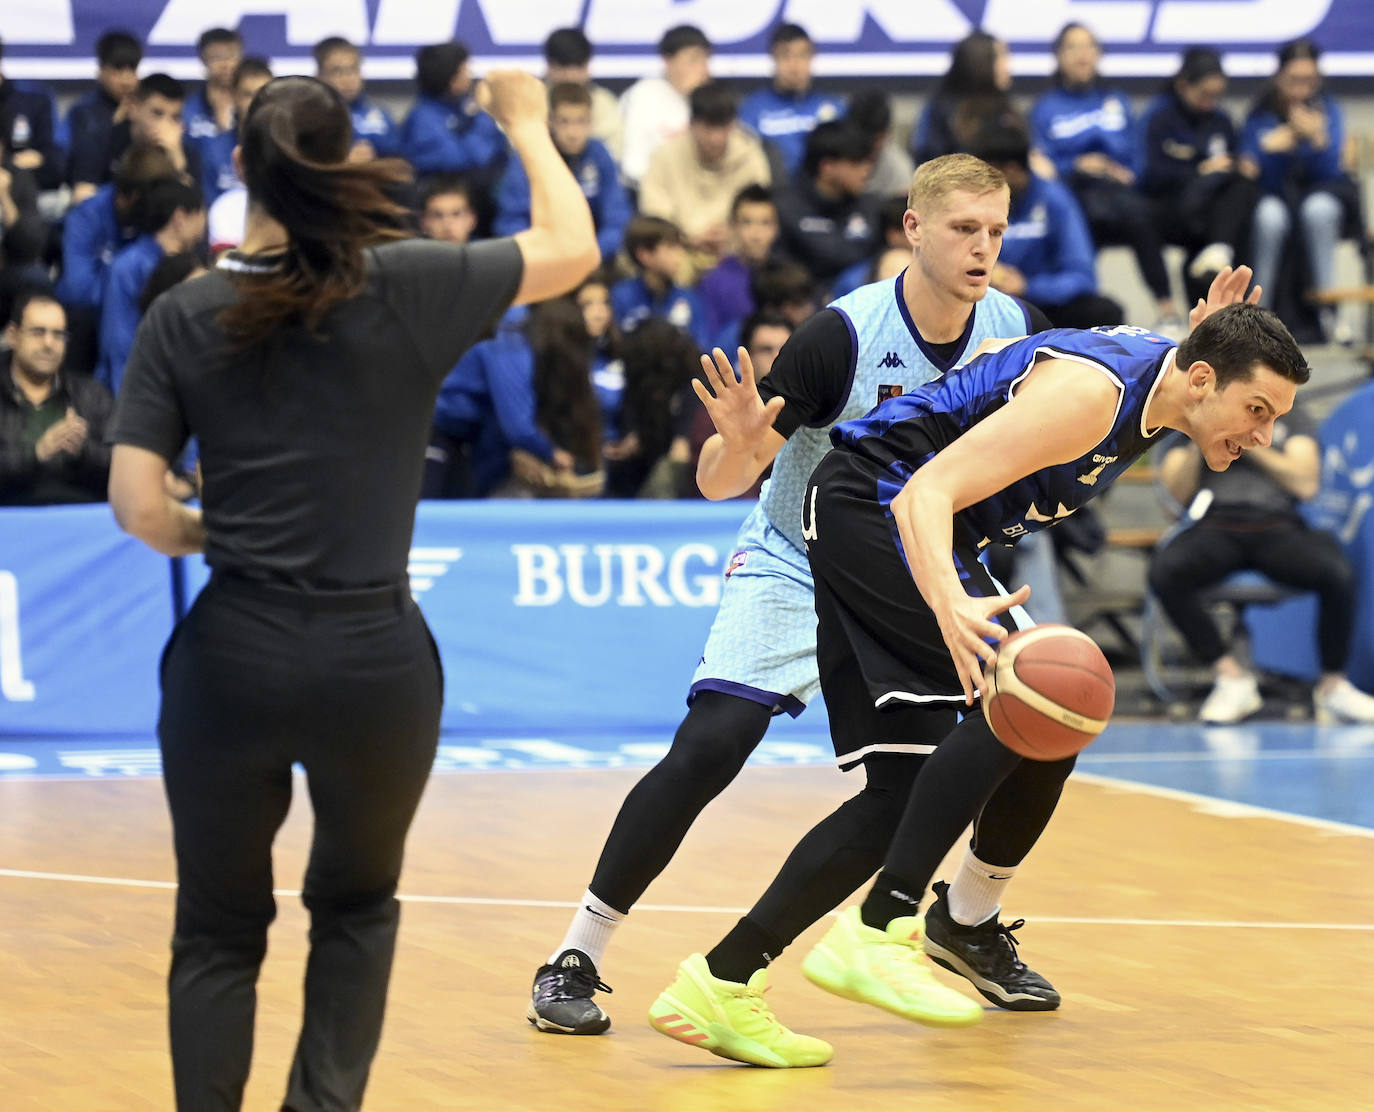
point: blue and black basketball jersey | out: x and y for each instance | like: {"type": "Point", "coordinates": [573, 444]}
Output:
{"type": "Point", "coordinates": [904, 432]}
{"type": "Point", "coordinates": [887, 357]}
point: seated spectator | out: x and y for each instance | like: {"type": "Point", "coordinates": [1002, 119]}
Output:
{"type": "Point", "coordinates": [18, 194]}
{"type": "Point", "coordinates": [445, 131]}
{"type": "Point", "coordinates": [655, 109]}
{"type": "Point", "coordinates": [93, 116]}
{"type": "Point", "coordinates": [660, 362]}
{"type": "Point", "coordinates": [570, 118]}
{"type": "Point", "coordinates": [693, 179]}
{"type": "Point", "coordinates": [1294, 135]}
{"type": "Point", "coordinates": [973, 94]}
{"type": "Point", "coordinates": [522, 406]}
{"type": "Point", "coordinates": [762, 336]}
{"type": "Point", "coordinates": [892, 239]}
{"type": "Point", "coordinates": [784, 114]}
{"type": "Point", "coordinates": [870, 110]}
{"type": "Point", "coordinates": [725, 290]}
{"type": "Point", "coordinates": [218, 175]}
{"type": "Point", "coordinates": [786, 287]}
{"type": "Point", "coordinates": [568, 58]}
{"type": "Point", "coordinates": [446, 209]}
{"type": "Point", "coordinates": [828, 222]}
{"type": "Point", "coordinates": [52, 425]}
{"type": "Point", "coordinates": [655, 247]}
{"type": "Point", "coordinates": [155, 117]}
{"type": "Point", "coordinates": [171, 219]}
{"type": "Point", "coordinates": [210, 111]}
{"type": "Point", "coordinates": [1203, 201]}
{"type": "Point", "coordinates": [1047, 251]}
{"type": "Point", "coordinates": [1247, 519]}
{"type": "Point", "coordinates": [93, 233]}
{"type": "Point", "coordinates": [1084, 127]}
{"type": "Point", "coordinates": [21, 261]}
{"type": "Point", "coordinates": [593, 297]}
{"type": "Point", "coordinates": [28, 133]}
{"type": "Point", "coordinates": [339, 64]}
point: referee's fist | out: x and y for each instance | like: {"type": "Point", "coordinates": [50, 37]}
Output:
{"type": "Point", "coordinates": [514, 99]}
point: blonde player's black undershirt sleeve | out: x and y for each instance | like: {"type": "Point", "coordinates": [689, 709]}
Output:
{"type": "Point", "coordinates": [813, 373]}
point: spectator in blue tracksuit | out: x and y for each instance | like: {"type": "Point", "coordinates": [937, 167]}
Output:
{"type": "Point", "coordinates": [171, 218]}
{"type": "Point", "coordinates": [656, 249]}
{"type": "Point", "coordinates": [1293, 137]}
{"type": "Point", "coordinates": [1047, 252]}
{"type": "Point", "coordinates": [570, 122]}
{"type": "Point", "coordinates": [523, 402]}
{"type": "Point", "coordinates": [445, 131]}
{"type": "Point", "coordinates": [217, 173]}
{"type": "Point", "coordinates": [209, 110]}
{"type": "Point", "coordinates": [28, 129]}
{"type": "Point", "coordinates": [1084, 127]}
{"type": "Point", "coordinates": [1190, 170]}
{"type": "Point", "coordinates": [339, 64]}
{"type": "Point", "coordinates": [92, 117]}
{"type": "Point", "coordinates": [785, 113]}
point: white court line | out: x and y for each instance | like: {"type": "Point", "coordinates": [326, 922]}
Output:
{"type": "Point", "coordinates": [1223, 808]}
{"type": "Point", "coordinates": [694, 909]}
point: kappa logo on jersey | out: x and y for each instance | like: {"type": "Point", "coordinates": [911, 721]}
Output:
{"type": "Point", "coordinates": [891, 359]}
{"type": "Point", "coordinates": [737, 560]}
{"type": "Point", "coordinates": [889, 390]}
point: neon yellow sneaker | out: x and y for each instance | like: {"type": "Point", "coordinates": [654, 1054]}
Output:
{"type": "Point", "coordinates": [731, 1020]}
{"type": "Point", "coordinates": [887, 969]}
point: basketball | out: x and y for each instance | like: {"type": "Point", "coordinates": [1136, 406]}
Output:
{"type": "Point", "coordinates": [1050, 692]}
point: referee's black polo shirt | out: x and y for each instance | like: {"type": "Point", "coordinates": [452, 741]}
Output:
{"type": "Point", "coordinates": [313, 448]}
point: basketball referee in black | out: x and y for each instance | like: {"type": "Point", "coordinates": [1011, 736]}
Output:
{"type": "Point", "coordinates": [307, 366]}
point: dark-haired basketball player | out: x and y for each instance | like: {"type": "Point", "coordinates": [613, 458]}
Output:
{"type": "Point", "coordinates": [894, 520]}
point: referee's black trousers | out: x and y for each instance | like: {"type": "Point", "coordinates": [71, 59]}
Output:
{"type": "Point", "coordinates": [255, 679]}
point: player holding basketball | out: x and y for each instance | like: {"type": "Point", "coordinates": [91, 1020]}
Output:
{"type": "Point", "coordinates": [894, 520]}
{"type": "Point", "coordinates": [884, 339]}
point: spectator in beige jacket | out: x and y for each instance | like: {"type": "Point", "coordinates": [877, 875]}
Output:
{"type": "Point", "coordinates": [693, 180]}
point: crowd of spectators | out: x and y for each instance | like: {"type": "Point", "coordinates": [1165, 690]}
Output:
{"type": "Point", "coordinates": [721, 221]}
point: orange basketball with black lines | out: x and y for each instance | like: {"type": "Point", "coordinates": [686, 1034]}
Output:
{"type": "Point", "coordinates": [1050, 692]}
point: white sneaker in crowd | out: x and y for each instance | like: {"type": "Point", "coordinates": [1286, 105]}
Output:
{"type": "Point", "coordinates": [1343, 702]}
{"type": "Point", "coordinates": [1212, 258]}
{"type": "Point", "coordinates": [1232, 698]}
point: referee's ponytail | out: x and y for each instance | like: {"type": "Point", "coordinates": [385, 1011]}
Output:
{"type": "Point", "coordinates": [295, 141]}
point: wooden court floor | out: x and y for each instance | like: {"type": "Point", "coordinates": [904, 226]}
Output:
{"type": "Point", "coordinates": [1207, 960]}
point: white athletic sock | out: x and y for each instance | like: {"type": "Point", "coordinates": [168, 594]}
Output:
{"type": "Point", "coordinates": [591, 929]}
{"type": "Point", "coordinates": [976, 894]}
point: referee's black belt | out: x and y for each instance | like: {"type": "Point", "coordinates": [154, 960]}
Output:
{"type": "Point", "coordinates": [311, 599]}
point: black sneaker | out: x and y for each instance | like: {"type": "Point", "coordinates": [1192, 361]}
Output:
{"type": "Point", "coordinates": [986, 955]}
{"type": "Point", "coordinates": [561, 1000]}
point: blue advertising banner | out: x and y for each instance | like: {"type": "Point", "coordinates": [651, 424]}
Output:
{"type": "Point", "coordinates": [55, 39]}
{"type": "Point", "coordinates": [569, 617]}
{"type": "Point", "coordinates": [84, 613]}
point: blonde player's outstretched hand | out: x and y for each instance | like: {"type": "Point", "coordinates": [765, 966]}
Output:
{"type": "Point", "coordinates": [1227, 288]}
{"type": "Point", "coordinates": [513, 98]}
{"type": "Point", "coordinates": [739, 414]}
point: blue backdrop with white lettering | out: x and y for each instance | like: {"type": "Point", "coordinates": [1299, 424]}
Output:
{"type": "Point", "coordinates": [567, 617]}
{"type": "Point", "coordinates": [84, 613]}
{"type": "Point", "coordinates": [551, 618]}
{"type": "Point", "coordinates": [56, 38]}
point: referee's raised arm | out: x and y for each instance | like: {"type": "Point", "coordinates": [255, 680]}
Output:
{"type": "Point", "coordinates": [559, 248]}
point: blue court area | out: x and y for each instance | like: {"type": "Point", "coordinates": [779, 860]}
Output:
{"type": "Point", "coordinates": [1324, 773]}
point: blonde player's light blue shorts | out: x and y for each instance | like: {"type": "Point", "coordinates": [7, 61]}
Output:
{"type": "Point", "coordinates": [762, 644]}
